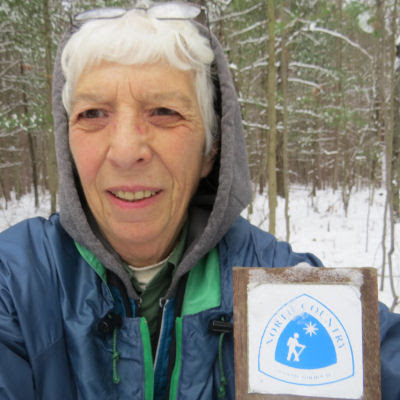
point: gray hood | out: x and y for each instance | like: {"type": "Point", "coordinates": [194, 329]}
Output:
{"type": "Point", "coordinates": [217, 203]}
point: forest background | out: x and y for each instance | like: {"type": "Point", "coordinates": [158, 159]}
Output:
{"type": "Point", "coordinates": [318, 83]}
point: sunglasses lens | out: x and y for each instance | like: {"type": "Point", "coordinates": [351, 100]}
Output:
{"type": "Point", "coordinates": [174, 10]}
{"type": "Point", "coordinates": [100, 14]}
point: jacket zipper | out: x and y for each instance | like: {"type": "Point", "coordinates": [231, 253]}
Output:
{"type": "Point", "coordinates": [174, 361]}
{"type": "Point", "coordinates": [147, 352]}
{"type": "Point", "coordinates": [161, 362]}
{"type": "Point", "coordinates": [163, 303]}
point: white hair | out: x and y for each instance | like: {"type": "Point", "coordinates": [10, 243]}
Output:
{"type": "Point", "coordinates": [135, 39]}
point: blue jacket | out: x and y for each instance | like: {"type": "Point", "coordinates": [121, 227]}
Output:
{"type": "Point", "coordinates": [52, 300]}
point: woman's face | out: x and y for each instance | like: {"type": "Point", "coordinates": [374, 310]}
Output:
{"type": "Point", "coordinates": [137, 139]}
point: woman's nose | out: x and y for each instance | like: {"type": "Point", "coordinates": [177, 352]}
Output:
{"type": "Point", "coordinates": [129, 142]}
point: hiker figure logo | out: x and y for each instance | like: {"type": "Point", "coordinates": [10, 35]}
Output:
{"type": "Point", "coordinates": [304, 343]}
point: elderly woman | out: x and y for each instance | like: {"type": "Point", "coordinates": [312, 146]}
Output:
{"type": "Point", "coordinates": [115, 297]}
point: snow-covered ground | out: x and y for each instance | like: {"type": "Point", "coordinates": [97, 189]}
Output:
{"type": "Point", "coordinates": [317, 225]}
{"type": "Point", "coordinates": [17, 210]}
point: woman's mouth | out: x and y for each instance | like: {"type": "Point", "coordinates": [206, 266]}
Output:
{"type": "Point", "coordinates": [133, 196]}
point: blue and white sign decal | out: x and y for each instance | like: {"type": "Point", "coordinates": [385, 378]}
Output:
{"type": "Point", "coordinates": [305, 340]}
{"type": "Point", "coordinates": [305, 335]}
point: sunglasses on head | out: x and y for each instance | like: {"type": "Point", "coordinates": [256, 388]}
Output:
{"type": "Point", "coordinates": [173, 10]}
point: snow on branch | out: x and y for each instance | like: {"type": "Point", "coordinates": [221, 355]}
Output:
{"type": "Point", "coordinates": [253, 102]}
{"type": "Point", "coordinates": [261, 62]}
{"type": "Point", "coordinates": [304, 82]}
{"type": "Point", "coordinates": [309, 113]}
{"type": "Point", "coordinates": [330, 153]}
{"type": "Point", "coordinates": [10, 149]}
{"type": "Point", "coordinates": [255, 125]}
{"type": "Point", "coordinates": [313, 28]}
{"type": "Point", "coordinates": [312, 66]}
{"type": "Point", "coordinates": [248, 29]}
{"type": "Point", "coordinates": [257, 40]}
{"type": "Point", "coordinates": [5, 70]}
{"type": "Point", "coordinates": [236, 14]}
{"type": "Point", "coordinates": [9, 134]}
{"type": "Point", "coordinates": [9, 164]}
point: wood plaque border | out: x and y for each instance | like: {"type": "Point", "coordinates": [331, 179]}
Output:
{"type": "Point", "coordinates": [370, 325]}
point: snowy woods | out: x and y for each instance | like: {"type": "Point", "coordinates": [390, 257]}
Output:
{"type": "Point", "coordinates": [318, 82]}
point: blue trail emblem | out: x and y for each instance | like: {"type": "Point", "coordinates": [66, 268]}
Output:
{"type": "Point", "coordinates": [304, 343]}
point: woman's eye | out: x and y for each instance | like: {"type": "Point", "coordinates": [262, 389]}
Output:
{"type": "Point", "coordinates": [164, 117]}
{"type": "Point", "coordinates": [91, 114]}
{"type": "Point", "coordinates": [163, 111]}
{"type": "Point", "coordinates": [91, 119]}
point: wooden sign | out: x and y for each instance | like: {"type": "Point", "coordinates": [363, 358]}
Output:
{"type": "Point", "coordinates": [306, 333]}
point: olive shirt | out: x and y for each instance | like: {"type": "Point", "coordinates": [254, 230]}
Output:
{"type": "Point", "coordinates": [157, 288]}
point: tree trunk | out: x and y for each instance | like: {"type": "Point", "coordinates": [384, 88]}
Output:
{"type": "Point", "coordinates": [388, 160]}
{"type": "Point", "coordinates": [339, 100]}
{"type": "Point", "coordinates": [31, 145]}
{"type": "Point", "coordinates": [396, 139]}
{"type": "Point", "coordinates": [285, 132]}
{"type": "Point", "coordinates": [379, 72]}
{"type": "Point", "coordinates": [51, 155]}
{"type": "Point", "coordinates": [272, 195]}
